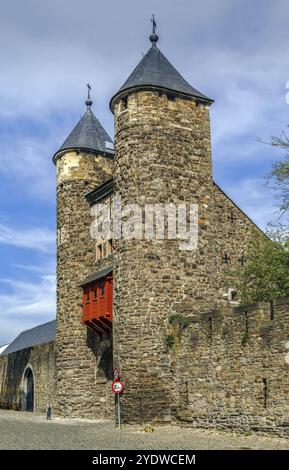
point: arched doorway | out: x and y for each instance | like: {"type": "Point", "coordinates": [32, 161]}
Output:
{"type": "Point", "coordinates": [28, 390]}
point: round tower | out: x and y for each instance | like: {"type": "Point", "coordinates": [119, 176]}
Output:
{"type": "Point", "coordinates": [83, 162]}
{"type": "Point", "coordinates": [162, 156]}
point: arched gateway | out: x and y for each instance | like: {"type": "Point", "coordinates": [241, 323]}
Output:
{"type": "Point", "coordinates": [28, 390]}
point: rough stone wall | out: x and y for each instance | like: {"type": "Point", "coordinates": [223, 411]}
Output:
{"type": "Point", "coordinates": [234, 373]}
{"type": "Point", "coordinates": [163, 155]}
{"type": "Point", "coordinates": [82, 365]}
{"type": "Point", "coordinates": [41, 359]}
{"type": "Point", "coordinates": [233, 233]}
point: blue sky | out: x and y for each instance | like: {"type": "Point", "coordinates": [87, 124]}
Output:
{"type": "Point", "coordinates": [233, 51]}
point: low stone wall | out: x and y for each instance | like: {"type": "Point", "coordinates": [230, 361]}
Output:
{"type": "Point", "coordinates": [41, 359]}
{"type": "Point", "coordinates": [231, 369]}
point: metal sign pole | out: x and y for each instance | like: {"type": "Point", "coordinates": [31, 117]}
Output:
{"type": "Point", "coordinates": [117, 388]}
{"type": "Point", "coordinates": [118, 409]}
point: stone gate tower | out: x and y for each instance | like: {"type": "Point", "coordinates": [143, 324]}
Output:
{"type": "Point", "coordinates": [162, 155]}
{"type": "Point", "coordinates": [83, 162]}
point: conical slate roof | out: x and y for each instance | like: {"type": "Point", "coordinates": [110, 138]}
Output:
{"type": "Point", "coordinates": [88, 134]}
{"type": "Point", "coordinates": [154, 71]}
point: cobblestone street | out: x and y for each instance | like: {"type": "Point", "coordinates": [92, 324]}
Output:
{"type": "Point", "coordinates": [28, 431]}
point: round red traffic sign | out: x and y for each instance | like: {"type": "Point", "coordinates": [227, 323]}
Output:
{"type": "Point", "coordinates": [117, 386]}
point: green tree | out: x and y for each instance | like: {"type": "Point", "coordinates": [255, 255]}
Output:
{"type": "Point", "coordinates": [266, 272]}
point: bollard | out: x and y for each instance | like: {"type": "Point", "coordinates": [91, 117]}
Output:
{"type": "Point", "coordinates": [48, 415]}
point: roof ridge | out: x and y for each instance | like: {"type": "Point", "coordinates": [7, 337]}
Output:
{"type": "Point", "coordinates": [37, 326]}
{"type": "Point", "coordinates": [30, 338]}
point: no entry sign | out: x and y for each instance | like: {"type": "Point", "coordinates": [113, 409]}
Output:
{"type": "Point", "coordinates": [117, 387]}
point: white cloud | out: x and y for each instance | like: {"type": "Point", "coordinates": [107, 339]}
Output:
{"type": "Point", "coordinates": [229, 52]}
{"type": "Point", "coordinates": [28, 160]}
{"type": "Point", "coordinates": [35, 238]}
{"type": "Point", "coordinates": [49, 267]}
{"type": "Point", "coordinates": [255, 199]}
{"type": "Point", "coordinates": [26, 305]}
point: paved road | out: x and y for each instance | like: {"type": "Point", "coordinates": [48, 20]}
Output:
{"type": "Point", "coordinates": [28, 431]}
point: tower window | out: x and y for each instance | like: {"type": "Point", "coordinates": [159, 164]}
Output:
{"type": "Point", "coordinates": [210, 329]}
{"type": "Point", "coordinates": [99, 251]}
{"type": "Point", "coordinates": [110, 246]}
{"type": "Point", "coordinates": [265, 393]}
{"type": "Point", "coordinates": [104, 250]}
{"type": "Point", "coordinates": [94, 293]}
{"type": "Point", "coordinates": [124, 103]}
{"type": "Point", "coordinates": [87, 299]}
{"type": "Point", "coordinates": [171, 98]}
{"type": "Point", "coordinates": [102, 290]}
{"type": "Point", "coordinates": [234, 296]}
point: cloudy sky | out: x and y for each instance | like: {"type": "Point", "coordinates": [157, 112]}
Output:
{"type": "Point", "coordinates": [233, 51]}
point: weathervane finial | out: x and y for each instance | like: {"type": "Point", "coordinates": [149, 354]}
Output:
{"type": "Point", "coordinates": [154, 37]}
{"type": "Point", "coordinates": [88, 101]}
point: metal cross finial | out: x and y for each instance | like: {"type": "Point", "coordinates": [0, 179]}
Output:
{"type": "Point", "coordinates": [154, 24]}
{"type": "Point", "coordinates": [154, 37]}
{"type": "Point", "coordinates": [88, 101]}
{"type": "Point", "coordinates": [88, 91]}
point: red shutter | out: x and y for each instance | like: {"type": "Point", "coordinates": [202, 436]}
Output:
{"type": "Point", "coordinates": [97, 313]}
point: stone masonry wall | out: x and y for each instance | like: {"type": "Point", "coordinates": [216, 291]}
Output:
{"type": "Point", "coordinates": [163, 155]}
{"type": "Point", "coordinates": [81, 353]}
{"type": "Point", "coordinates": [41, 359]}
{"type": "Point", "coordinates": [233, 233]}
{"type": "Point", "coordinates": [233, 371]}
